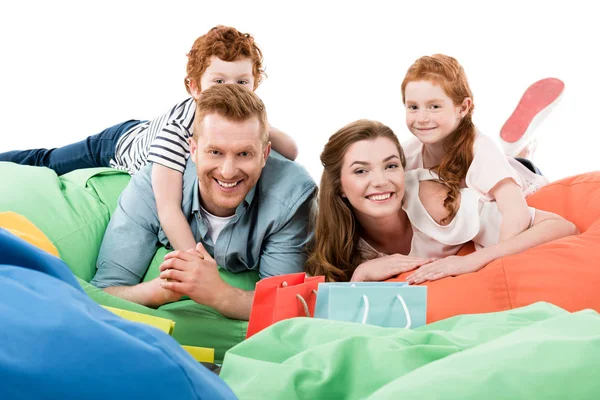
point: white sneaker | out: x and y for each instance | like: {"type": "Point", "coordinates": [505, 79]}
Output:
{"type": "Point", "coordinates": [535, 104]}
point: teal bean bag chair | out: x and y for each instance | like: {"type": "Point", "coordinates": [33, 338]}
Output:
{"type": "Point", "coordinates": [73, 211]}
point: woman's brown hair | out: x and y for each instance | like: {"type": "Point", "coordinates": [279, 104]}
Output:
{"type": "Point", "coordinates": [335, 249]}
{"type": "Point", "coordinates": [448, 73]}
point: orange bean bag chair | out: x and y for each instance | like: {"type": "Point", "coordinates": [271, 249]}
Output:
{"type": "Point", "coordinates": [564, 272]}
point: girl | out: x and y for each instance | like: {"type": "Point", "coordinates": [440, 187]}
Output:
{"type": "Point", "coordinates": [375, 221]}
{"type": "Point", "coordinates": [439, 109]}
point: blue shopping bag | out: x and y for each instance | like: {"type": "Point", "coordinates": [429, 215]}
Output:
{"type": "Point", "coordinates": [387, 304]}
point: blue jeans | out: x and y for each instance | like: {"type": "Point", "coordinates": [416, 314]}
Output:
{"type": "Point", "coordinates": [94, 151]}
{"type": "Point", "coordinates": [530, 166]}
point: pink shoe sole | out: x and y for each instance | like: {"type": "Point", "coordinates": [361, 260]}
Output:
{"type": "Point", "coordinates": [536, 98]}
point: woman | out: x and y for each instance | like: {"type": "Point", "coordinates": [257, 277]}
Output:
{"type": "Point", "coordinates": [375, 221]}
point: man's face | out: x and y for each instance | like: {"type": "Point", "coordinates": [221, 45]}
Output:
{"type": "Point", "coordinates": [229, 158]}
{"type": "Point", "coordinates": [219, 72]}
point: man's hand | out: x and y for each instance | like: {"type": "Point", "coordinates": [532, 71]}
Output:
{"type": "Point", "coordinates": [449, 266]}
{"type": "Point", "coordinates": [383, 268]}
{"type": "Point", "coordinates": [160, 295]}
{"type": "Point", "coordinates": [194, 273]}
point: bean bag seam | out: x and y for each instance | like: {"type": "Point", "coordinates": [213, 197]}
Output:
{"type": "Point", "coordinates": [566, 184]}
{"type": "Point", "coordinates": [509, 296]}
{"type": "Point", "coordinates": [80, 228]}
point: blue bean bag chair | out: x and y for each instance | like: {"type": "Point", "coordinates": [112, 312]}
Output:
{"type": "Point", "coordinates": [57, 343]}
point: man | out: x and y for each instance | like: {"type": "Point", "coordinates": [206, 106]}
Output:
{"type": "Point", "coordinates": [248, 210]}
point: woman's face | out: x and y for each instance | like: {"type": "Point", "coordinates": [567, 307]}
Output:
{"type": "Point", "coordinates": [372, 178]}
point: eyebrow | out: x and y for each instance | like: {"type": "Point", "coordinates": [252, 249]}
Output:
{"type": "Point", "coordinates": [217, 146]}
{"type": "Point", "coordinates": [220, 74]}
{"type": "Point", "coordinates": [428, 101]}
{"type": "Point", "coordinates": [384, 160]}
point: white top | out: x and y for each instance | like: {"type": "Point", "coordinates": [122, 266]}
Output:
{"type": "Point", "coordinates": [163, 140]}
{"type": "Point", "coordinates": [477, 220]}
{"type": "Point", "coordinates": [215, 224]}
{"type": "Point", "coordinates": [490, 165]}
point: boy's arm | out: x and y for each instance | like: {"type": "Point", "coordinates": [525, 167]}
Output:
{"type": "Point", "coordinates": [195, 273]}
{"type": "Point", "coordinates": [167, 185]}
{"type": "Point", "coordinates": [149, 294]}
{"type": "Point", "coordinates": [283, 143]}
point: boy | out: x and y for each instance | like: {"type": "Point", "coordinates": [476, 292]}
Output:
{"type": "Point", "coordinates": [223, 55]}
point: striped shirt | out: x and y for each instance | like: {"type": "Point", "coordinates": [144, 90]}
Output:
{"type": "Point", "coordinates": [163, 140]}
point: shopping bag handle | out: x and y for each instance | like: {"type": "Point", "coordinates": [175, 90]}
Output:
{"type": "Point", "coordinates": [406, 313]}
{"type": "Point", "coordinates": [304, 305]}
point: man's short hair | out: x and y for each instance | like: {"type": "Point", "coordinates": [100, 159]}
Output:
{"type": "Point", "coordinates": [233, 102]}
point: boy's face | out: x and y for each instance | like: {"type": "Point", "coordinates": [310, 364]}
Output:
{"type": "Point", "coordinates": [219, 72]}
{"type": "Point", "coordinates": [229, 157]}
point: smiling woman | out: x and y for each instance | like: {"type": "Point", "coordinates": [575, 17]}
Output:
{"type": "Point", "coordinates": [376, 221]}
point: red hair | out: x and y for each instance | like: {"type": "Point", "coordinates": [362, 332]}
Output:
{"type": "Point", "coordinates": [446, 72]}
{"type": "Point", "coordinates": [228, 44]}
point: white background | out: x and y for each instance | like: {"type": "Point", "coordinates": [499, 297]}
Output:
{"type": "Point", "coordinates": [70, 69]}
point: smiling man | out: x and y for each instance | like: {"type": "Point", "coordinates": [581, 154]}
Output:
{"type": "Point", "coordinates": [248, 208]}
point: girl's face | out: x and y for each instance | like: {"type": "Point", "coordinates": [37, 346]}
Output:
{"type": "Point", "coordinates": [430, 114]}
{"type": "Point", "coordinates": [372, 178]}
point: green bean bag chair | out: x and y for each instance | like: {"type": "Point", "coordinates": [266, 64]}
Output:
{"type": "Point", "coordinates": [73, 211]}
{"type": "Point", "coordinates": [539, 351]}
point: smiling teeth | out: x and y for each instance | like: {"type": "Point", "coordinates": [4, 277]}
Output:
{"type": "Point", "coordinates": [380, 197]}
{"type": "Point", "coordinates": [227, 185]}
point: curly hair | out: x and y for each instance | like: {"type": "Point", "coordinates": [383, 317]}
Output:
{"type": "Point", "coordinates": [448, 73]}
{"type": "Point", "coordinates": [228, 44]}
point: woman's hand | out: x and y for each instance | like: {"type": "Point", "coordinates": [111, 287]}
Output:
{"type": "Point", "coordinates": [383, 268]}
{"type": "Point", "coordinates": [449, 266]}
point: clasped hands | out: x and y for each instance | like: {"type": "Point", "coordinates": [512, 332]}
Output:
{"type": "Point", "coordinates": [193, 273]}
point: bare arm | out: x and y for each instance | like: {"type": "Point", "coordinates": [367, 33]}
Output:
{"type": "Point", "coordinates": [283, 143]}
{"type": "Point", "coordinates": [149, 294]}
{"type": "Point", "coordinates": [167, 185]}
{"type": "Point", "coordinates": [546, 227]}
{"type": "Point", "coordinates": [512, 206]}
{"type": "Point", "coordinates": [236, 304]}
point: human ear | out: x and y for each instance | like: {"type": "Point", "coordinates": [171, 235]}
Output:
{"type": "Point", "coordinates": [465, 106]}
{"type": "Point", "coordinates": [194, 88]}
{"type": "Point", "coordinates": [193, 148]}
{"type": "Point", "coordinates": [266, 152]}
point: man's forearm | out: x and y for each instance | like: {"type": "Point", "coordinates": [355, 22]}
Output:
{"type": "Point", "coordinates": [235, 303]}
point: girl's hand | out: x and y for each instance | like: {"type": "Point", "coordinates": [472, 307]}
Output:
{"type": "Point", "coordinates": [386, 267]}
{"type": "Point", "coordinates": [449, 266]}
